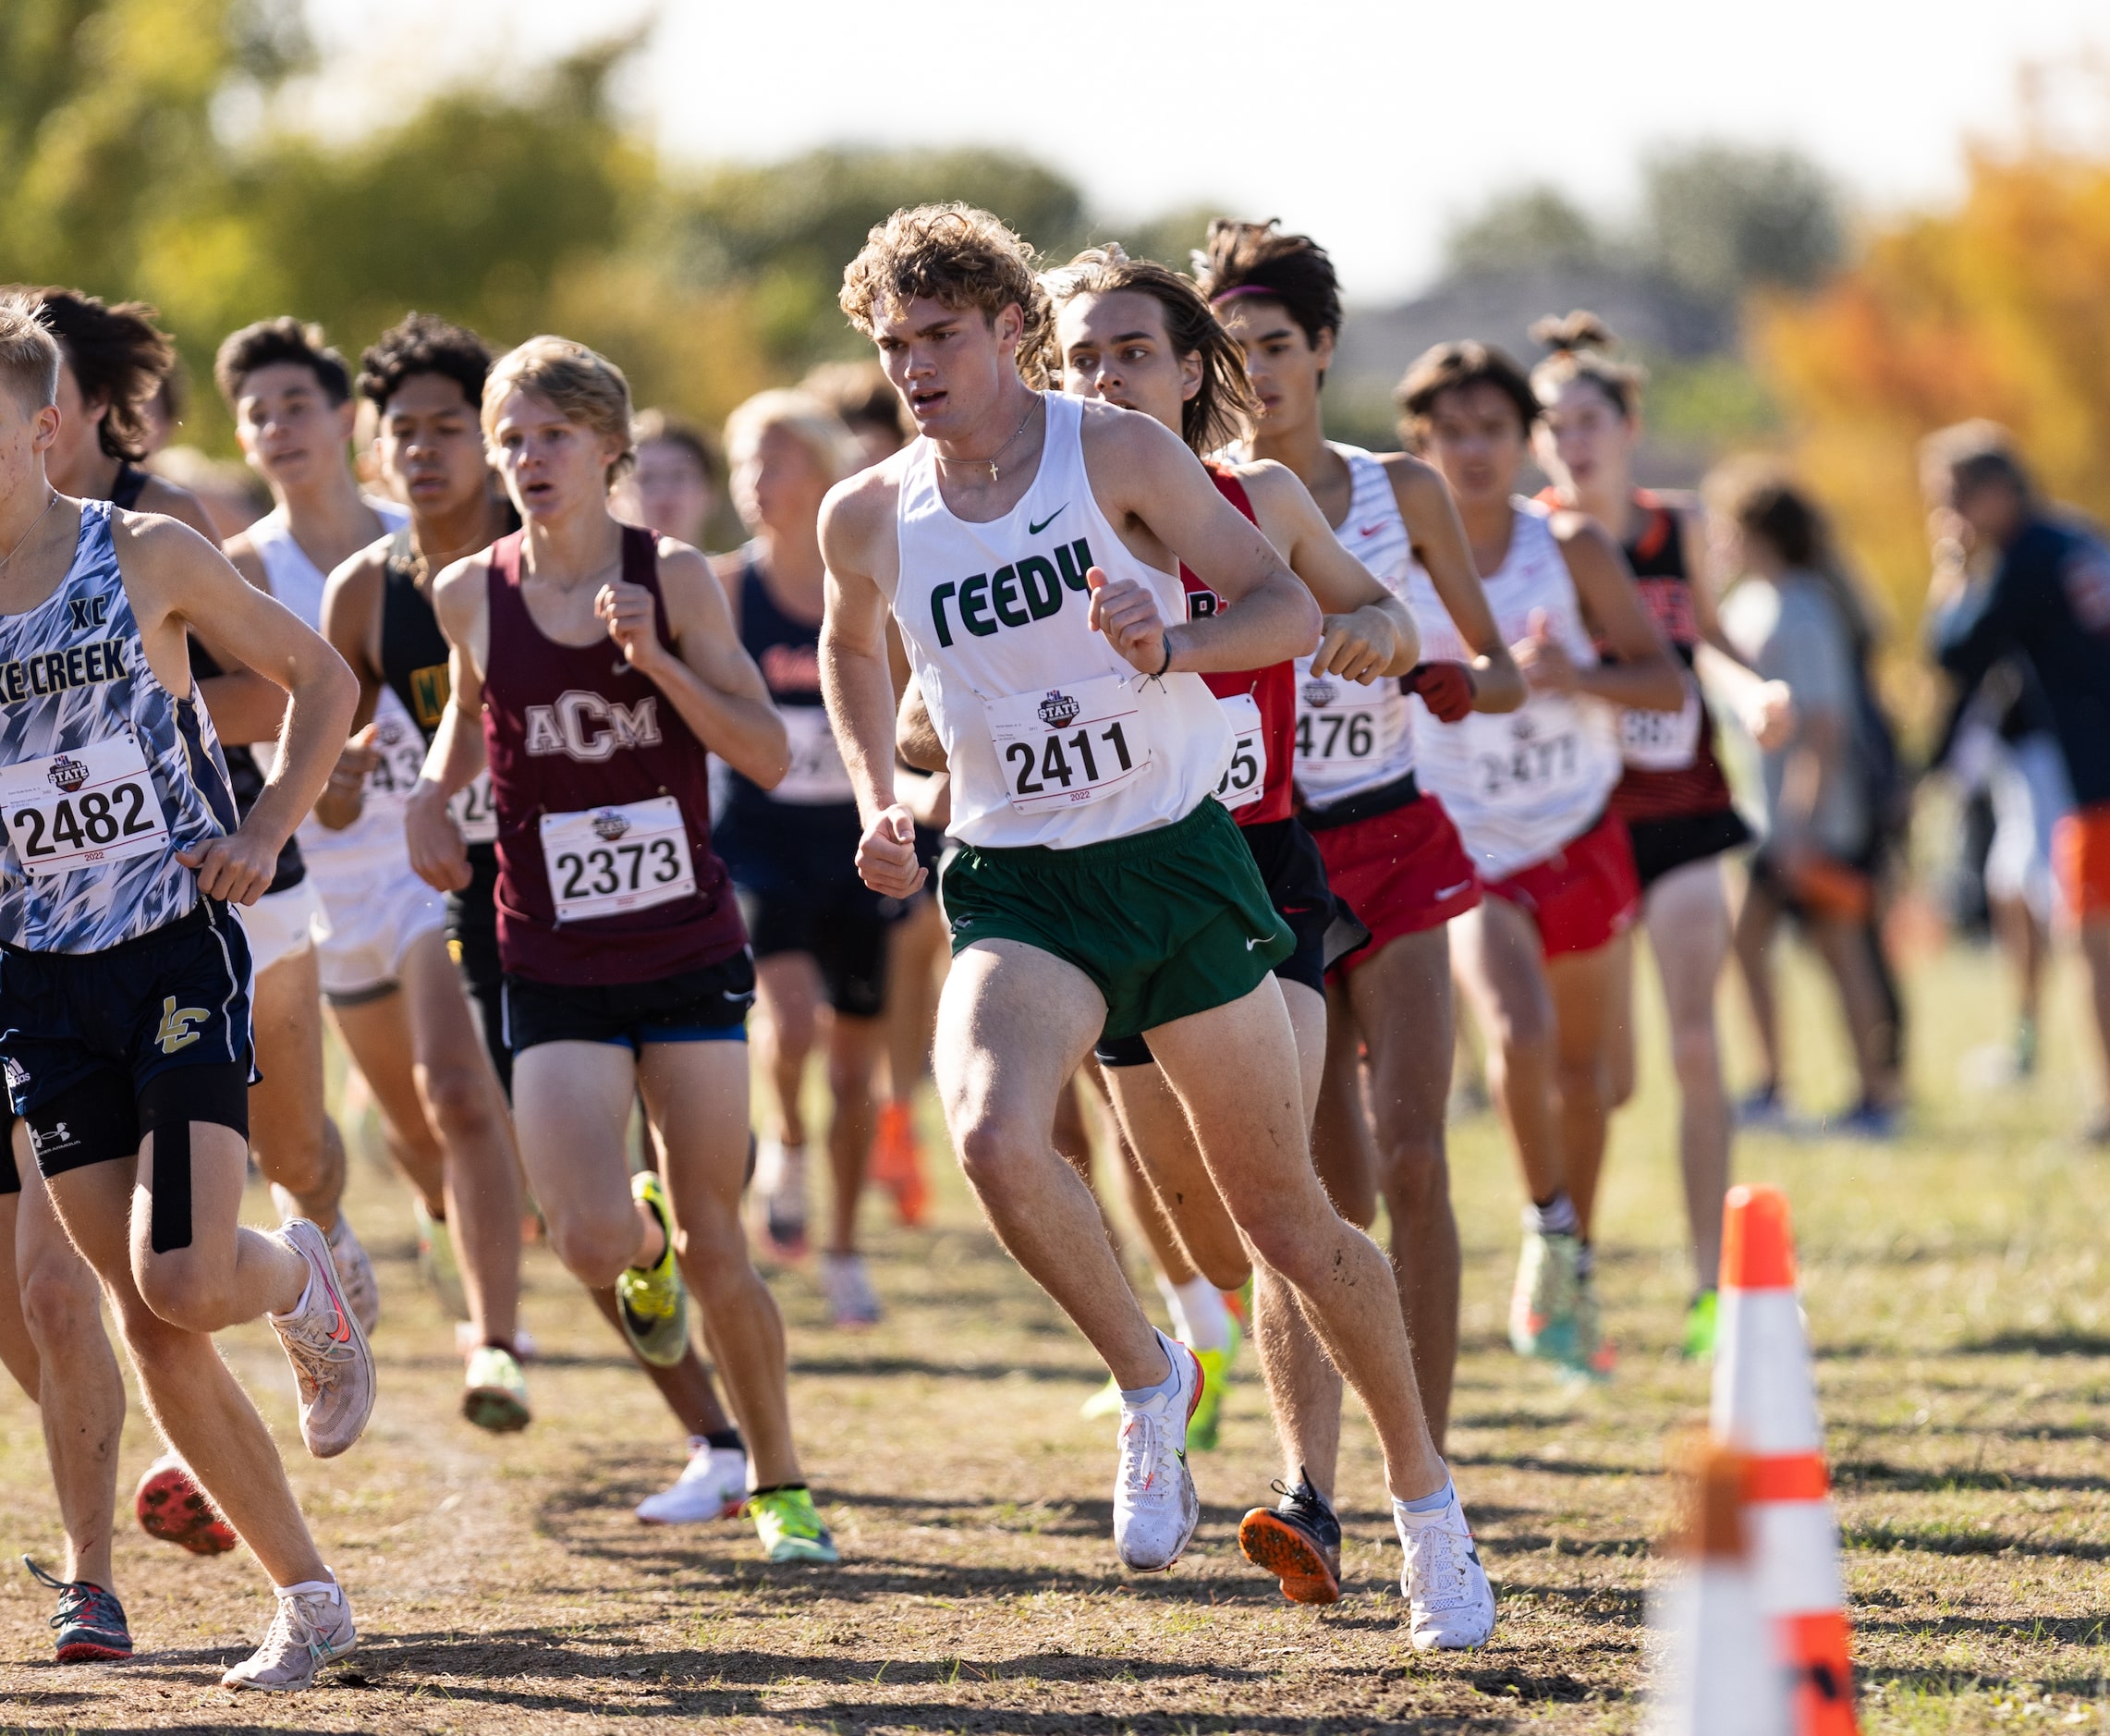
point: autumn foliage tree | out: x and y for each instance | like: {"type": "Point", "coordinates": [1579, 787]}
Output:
{"type": "Point", "coordinates": [1998, 307]}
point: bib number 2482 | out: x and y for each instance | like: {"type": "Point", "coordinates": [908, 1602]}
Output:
{"type": "Point", "coordinates": [81, 809]}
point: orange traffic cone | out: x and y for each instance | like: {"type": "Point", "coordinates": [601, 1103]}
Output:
{"type": "Point", "coordinates": [1717, 1671]}
{"type": "Point", "coordinates": [1765, 1408]}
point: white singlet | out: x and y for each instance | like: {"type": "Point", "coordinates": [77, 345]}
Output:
{"type": "Point", "coordinates": [1352, 738]}
{"type": "Point", "coordinates": [1053, 739]}
{"type": "Point", "coordinates": [1519, 785]}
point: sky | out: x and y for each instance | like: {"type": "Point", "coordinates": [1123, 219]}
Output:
{"type": "Point", "coordinates": [1372, 124]}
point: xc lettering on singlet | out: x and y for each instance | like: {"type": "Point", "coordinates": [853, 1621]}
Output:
{"type": "Point", "coordinates": [589, 727]}
{"type": "Point", "coordinates": [1017, 595]}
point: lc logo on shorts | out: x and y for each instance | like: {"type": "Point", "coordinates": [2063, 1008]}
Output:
{"type": "Point", "coordinates": [176, 1022]}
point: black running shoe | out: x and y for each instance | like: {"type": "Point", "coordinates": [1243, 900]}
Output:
{"type": "Point", "coordinates": [91, 1621]}
{"type": "Point", "coordinates": [1298, 1540]}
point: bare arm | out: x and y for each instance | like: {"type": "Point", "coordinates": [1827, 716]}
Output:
{"type": "Point", "coordinates": [1647, 675]}
{"type": "Point", "coordinates": [1765, 708]}
{"type": "Point", "coordinates": [177, 578]}
{"type": "Point", "coordinates": [438, 855]}
{"type": "Point", "coordinates": [1141, 473]}
{"type": "Point", "coordinates": [1438, 536]}
{"type": "Point", "coordinates": [707, 675]}
{"type": "Point", "coordinates": [915, 735]}
{"type": "Point", "coordinates": [1365, 631]}
{"type": "Point", "coordinates": [351, 602]}
{"type": "Point", "coordinates": [856, 686]}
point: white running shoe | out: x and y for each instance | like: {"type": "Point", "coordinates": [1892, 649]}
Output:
{"type": "Point", "coordinates": [713, 1485]}
{"type": "Point", "coordinates": [355, 1268]}
{"type": "Point", "coordinates": [313, 1626]}
{"type": "Point", "coordinates": [780, 1196]}
{"type": "Point", "coordinates": [851, 1299]}
{"type": "Point", "coordinates": [1450, 1604]}
{"type": "Point", "coordinates": [1155, 1508]}
{"type": "Point", "coordinates": [328, 1352]}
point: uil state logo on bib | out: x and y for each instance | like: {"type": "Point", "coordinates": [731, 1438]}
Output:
{"type": "Point", "coordinates": [610, 825]}
{"type": "Point", "coordinates": [67, 774]}
{"type": "Point", "coordinates": [1058, 709]}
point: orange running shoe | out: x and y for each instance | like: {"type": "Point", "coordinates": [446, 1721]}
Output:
{"type": "Point", "coordinates": [172, 1507]}
{"type": "Point", "coordinates": [897, 1164]}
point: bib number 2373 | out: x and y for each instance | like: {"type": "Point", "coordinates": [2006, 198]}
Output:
{"type": "Point", "coordinates": [81, 809]}
{"type": "Point", "coordinates": [605, 862]}
{"type": "Point", "coordinates": [1070, 745]}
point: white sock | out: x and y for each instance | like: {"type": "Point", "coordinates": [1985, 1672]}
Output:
{"type": "Point", "coordinates": [1199, 1320]}
{"type": "Point", "coordinates": [307, 1300]}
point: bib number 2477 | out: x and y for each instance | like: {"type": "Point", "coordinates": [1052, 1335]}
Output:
{"type": "Point", "coordinates": [1068, 746]}
{"type": "Point", "coordinates": [83, 808]}
{"type": "Point", "coordinates": [605, 862]}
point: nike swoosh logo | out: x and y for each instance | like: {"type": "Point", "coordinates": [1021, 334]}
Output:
{"type": "Point", "coordinates": [1371, 530]}
{"type": "Point", "coordinates": [1261, 942]}
{"type": "Point", "coordinates": [1034, 529]}
{"type": "Point", "coordinates": [1452, 891]}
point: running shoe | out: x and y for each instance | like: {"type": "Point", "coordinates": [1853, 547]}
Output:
{"type": "Point", "coordinates": [1155, 1508]}
{"type": "Point", "coordinates": [331, 1362]}
{"type": "Point", "coordinates": [91, 1621]}
{"type": "Point", "coordinates": [313, 1626]}
{"type": "Point", "coordinates": [1875, 1121]}
{"type": "Point", "coordinates": [851, 1299]}
{"type": "Point", "coordinates": [653, 1305]}
{"type": "Point", "coordinates": [495, 1393]}
{"type": "Point", "coordinates": [1699, 1325]}
{"type": "Point", "coordinates": [897, 1164]}
{"type": "Point", "coordinates": [1543, 1306]}
{"type": "Point", "coordinates": [1593, 1356]}
{"type": "Point", "coordinates": [172, 1507]}
{"type": "Point", "coordinates": [790, 1528]}
{"type": "Point", "coordinates": [355, 1270]}
{"type": "Point", "coordinates": [436, 1263]}
{"type": "Point", "coordinates": [780, 1192]}
{"type": "Point", "coordinates": [1215, 1378]}
{"type": "Point", "coordinates": [712, 1484]}
{"type": "Point", "coordinates": [1450, 1604]}
{"type": "Point", "coordinates": [1298, 1540]}
{"type": "Point", "coordinates": [1764, 1109]}
{"type": "Point", "coordinates": [2025, 1048]}
{"type": "Point", "coordinates": [1106, 1401]}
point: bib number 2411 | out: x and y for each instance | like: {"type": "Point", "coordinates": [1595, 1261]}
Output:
{"type": "Point", "coordinates": [1068, 746]}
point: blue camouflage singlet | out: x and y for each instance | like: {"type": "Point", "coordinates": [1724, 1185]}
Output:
{"type": "Point", "coordinates": [105, 774]}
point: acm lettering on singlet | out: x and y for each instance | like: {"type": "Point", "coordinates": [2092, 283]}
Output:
{"type": "Point", "coordinates": [589, 727]}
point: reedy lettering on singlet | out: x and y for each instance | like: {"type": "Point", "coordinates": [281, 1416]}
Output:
{"type": "Point", "coordinates": [562, 727]}
{"type": "Point", "coordinates": [1017, 595]}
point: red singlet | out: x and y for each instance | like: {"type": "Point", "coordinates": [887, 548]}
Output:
{"type": "Point", "coordinates": [1274, 689]}
{"type": "Point", "coordinates": [574, 729]}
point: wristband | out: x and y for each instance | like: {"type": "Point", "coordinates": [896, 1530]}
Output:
{"type": "Point", "coordinates": [1158, 673]}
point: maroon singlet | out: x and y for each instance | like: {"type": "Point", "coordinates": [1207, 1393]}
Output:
{"type": "Point", "coordinates": [556, 744]}
{"type": "Point", "coordinates": [1274, 689]}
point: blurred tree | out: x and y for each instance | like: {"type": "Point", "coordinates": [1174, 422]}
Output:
{"type": "Point", "coordinates": [1722, 220]}
{"type": "Point", "coordinates": [1170, 239]}
{"type": "Point", "coordinates": [1999, 308]}
{"type": "Point", "coordinates": [1529, 229]}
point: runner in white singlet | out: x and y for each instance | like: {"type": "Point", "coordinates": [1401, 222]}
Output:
{"type": "Point", "coordinates": [394, 993]}
{"type": "Point", "coordinates": [1528, 791]}
{"type": "Point", "coordinates": [1391, 851]}
{"type": "Point", "coordinates": [1029, 547]}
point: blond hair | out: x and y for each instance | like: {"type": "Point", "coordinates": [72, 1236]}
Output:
{"type": "Point", "coordinates": [956, 255]}
{"type": "Point", "coordinates": [580, 384]}
{"type": "Point", "coordinates": [29, 354]}
{"type": "Point", "coordinates": [826, 437]}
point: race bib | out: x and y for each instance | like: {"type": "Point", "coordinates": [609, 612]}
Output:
{"type": "Point", "coordinates": [1247, 778]}
{"type": "Point", "coordinates": [607, 861]}
{"type": "Point", "coordinates": [401, 752]}
{"type": "Point", "coordinates": [475, 811]}
{"type": "Point", "coordinates": [79, 810]}
{"type": "Point", "coordinates": [1663, 740]}
{"type": "Point", "coordinates": [818, 774]}
{"type": "Point", "coordinates": [1343, 723]}
{"type": "Point", "coordinates": [1070, 745]}
{"type": "Point", "coordinates": [1535, 760]}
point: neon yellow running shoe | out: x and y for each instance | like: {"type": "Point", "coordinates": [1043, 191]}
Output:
{"type": "Point", "coordinates": [790, 1528]}
{"type": "Point", "coordinates": [1699, 1324]}
{"type": "Point", "coordinates": [1106, 1401]}
{"type": "Point", "coordinates": [1217, 1375]}
{"type": "Point", "coordinates": [495, 1394]}
{"type": "Point", "coordinates": [653, 1307]}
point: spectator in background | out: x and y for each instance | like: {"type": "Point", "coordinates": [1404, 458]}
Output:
{"type": "Point", "coordinates": [862, 395]}
{"type": "Point", "coordinates": [1793, 617]}
{"type": "Point", "coordinates": [2022, 579]}
{"type": "Point", "coordinates": [675, 485]}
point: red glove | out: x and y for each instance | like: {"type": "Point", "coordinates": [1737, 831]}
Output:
{"type": "Point", "coordinates": [1446, 689]}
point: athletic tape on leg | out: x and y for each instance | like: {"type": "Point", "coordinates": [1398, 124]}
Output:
{"type": "Point", "coordinates": [171, 1224]}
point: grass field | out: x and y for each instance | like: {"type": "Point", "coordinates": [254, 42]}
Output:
{"type": "Point", "coordinates": [1956, 1291]}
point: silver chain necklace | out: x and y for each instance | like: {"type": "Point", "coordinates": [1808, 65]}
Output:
{"type": "Point", "coordinates": [37, 520]}
{"type": "Point", "coordinates": [990, 460]}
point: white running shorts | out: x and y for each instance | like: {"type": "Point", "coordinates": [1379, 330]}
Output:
{"type": "Point", "coordinates": [280, 924]}
{"type": "Point", "coordinates": [367, 924]}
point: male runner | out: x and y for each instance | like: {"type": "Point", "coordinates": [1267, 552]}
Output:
{"type": "Point", "coordinates": [124, 980]}
{"type": "Point", "coordinates": [1390, 850]}
{"type": "Point", "coordinates": [675, 483]}
{"type": "Point", "coordinates": [1100, 890]}
{"type": "Point", "coordinates": [2021, 577]}
{"type": "Point", "coordinates": [424, 378]}
{"type": "Point", "coordinates": [601, 666]}
{"type": "Point", "coordinates": [381, 954]}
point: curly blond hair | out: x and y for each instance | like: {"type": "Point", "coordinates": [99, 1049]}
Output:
{"type": "Point", "coordinates": [953, 253]}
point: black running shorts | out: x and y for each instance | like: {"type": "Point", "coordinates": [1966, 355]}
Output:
{"type": "Point", "coordinates": [705, 1006]}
